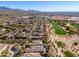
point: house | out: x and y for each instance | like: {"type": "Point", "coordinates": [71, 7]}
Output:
{"type": "Point", "coordinates": [36, 37]}
{"type": "Point", "coordinates": [35, 49]}
{"type": "Point", "coordinates": [37, 34]}
{"type": "Point", "coordinates": [26, 30]}
{"type": "Point", "coordinates": [33, 44]}
{"type": "Point", "coordinates": [32, 54]}
{"type": "Point", "coordinates": [36, 42]}
{"type": "Point", "coordinates": [22, 35]}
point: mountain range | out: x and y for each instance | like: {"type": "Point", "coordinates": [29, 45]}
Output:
{"type": "Point", "coordinates": [38, 12]}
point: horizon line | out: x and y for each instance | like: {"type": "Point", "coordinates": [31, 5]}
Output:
{"type": "Point", "coordinates": [37, 10]}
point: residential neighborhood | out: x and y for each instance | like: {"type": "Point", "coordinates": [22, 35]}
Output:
{"type": "Point", "coordinates": [45, 31]}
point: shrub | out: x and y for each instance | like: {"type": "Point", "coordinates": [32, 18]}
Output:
{"type": "Point", "coordinates": [68, 54]}
{"type": "Point", "coordinates": [60, 44]}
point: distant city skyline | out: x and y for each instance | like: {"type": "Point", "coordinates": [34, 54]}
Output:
{"type": "Point", "coordinates": [42, 5]}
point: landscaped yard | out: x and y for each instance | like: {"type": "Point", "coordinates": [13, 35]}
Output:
{"type": "Point", "coordinates": [58, 29]}
{"type": "Point", "coordinates": [60, 44]}
{"type": "Point", "coordinates": [68, 54]}
{"type": "Point", "coordinates": [77, 26]}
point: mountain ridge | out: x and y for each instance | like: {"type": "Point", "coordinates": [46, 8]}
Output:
{"type": "Point", "coordinates": [38, 12]}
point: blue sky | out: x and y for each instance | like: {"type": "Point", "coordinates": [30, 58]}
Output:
{"type": "Point", "coordinates": [42, 5]}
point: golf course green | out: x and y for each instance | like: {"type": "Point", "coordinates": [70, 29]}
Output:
{"type": "Point", "coordinates": [58, 29]}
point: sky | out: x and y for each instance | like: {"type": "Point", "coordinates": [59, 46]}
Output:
{"type": "Point", "coordinates": [42, 5]}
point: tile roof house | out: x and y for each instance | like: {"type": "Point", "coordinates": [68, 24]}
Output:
{"type": "Point", "coordinates": [35, 49]}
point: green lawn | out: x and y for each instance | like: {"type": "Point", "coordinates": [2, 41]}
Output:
{"type": "Point", "coordinates": [60, 44]}
{"type": "Point", "coordinates": [68, 54]}
{"type": "Point", "coordinates": [77, 26]}
{"type": "Point", "coordinates": [58, 29]}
